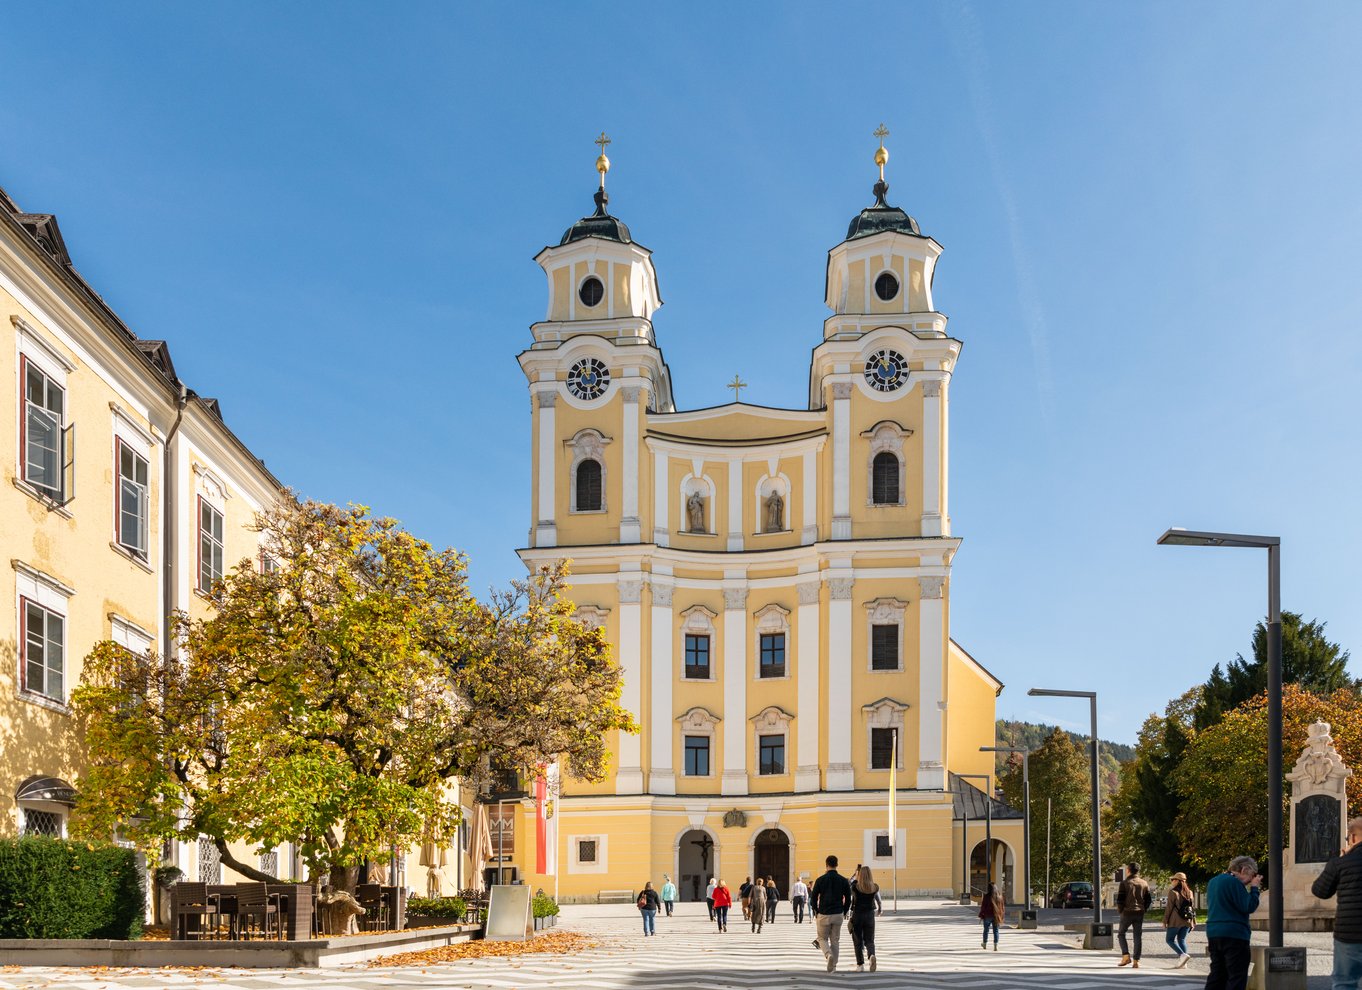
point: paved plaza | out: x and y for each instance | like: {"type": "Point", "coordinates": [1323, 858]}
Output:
{"type": "Point", "coordinates": [928, 945]}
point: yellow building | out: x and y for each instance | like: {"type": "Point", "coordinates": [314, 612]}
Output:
{"type": "Point", "coordinates": [775, 582]}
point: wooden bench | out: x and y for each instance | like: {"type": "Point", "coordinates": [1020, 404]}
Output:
{"type": "Point", "coordinates": [615, 897]}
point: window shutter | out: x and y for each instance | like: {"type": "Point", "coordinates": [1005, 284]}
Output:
{"type": "Point", "coordinates": [68, 464]}
{"type": "Point", "coordinates": [886, 479]}
{"type": "Point", "coordinates": [589, 486]}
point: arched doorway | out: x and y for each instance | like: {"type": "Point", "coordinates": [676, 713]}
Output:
{"type": "Point", "coordinates": [998, 866]}
{"type": "Point", "coordinates": [771, 858]}
{"type": "Point", "coordinates": [696, 857]}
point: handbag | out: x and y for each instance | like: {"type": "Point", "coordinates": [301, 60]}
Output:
{"type": "Point", "coordinates": [642, 901]}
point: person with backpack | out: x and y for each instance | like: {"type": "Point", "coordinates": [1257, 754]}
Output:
{"type": "Point", "coordinates": [668, 894]}
{"type": "Point", "coordinates": [992, 909]}
{"type": "Point", "coordinates": [1133, 898]}
{"type": "Point", "coordinates": [865, 904]}
{"type": "Point", "coordinates": [648, 904]}
{"type": "Point", "coordinates": [723, 900]}
{"type": "Point", "coordinates": [756, 900]}
{"type": "Point", "coordinates": [1179, 917]}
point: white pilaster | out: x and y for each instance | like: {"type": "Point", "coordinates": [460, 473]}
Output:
{"type": "Point", "coordinates": [734, 779]}
{"type": "Point", "coordinates": [931, 459]}
{"type": "Point", "coordinates": [839, 776]}
{"type": "Point", "coordinates": [945, 505]}
{"type": "Point", "coordinates": [545, 530]}
{"type": "Point", "coordinates": [735, 504]}
{"type": "Point", "coordinates": [661, 484]}
{"type": "Point", "coordinates": [661, 776]}
{"type": "Point", "coordinates": [629, 524]}
{"type": "Point", "coordinates": [841, 461]}
{"type": "Point", "coordinates": [629, 777]}
{"type": "Point", "coordinates": [931, 771]}
{"type": "Point", "coordinates": [810, 495]}
{"type": "Point", "coordinates": [806, 673]}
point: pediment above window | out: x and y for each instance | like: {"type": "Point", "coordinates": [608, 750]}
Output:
{"type": "Point", "coordinates": [887, 713]}
{"type": "Point", "coordinates": [772, 718]}
{"type": "Point", "coordinates": [884, 611]}
{"type": "Point", "coordinates": [773, 619]}
{"type": "Point", "coordinates": [698, 621]}
{"type": "Point", "coordinates": [699, 719]}
{"type": "Point", "coordinates": [591, 616]}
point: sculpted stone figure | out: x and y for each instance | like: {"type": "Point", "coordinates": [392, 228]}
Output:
{"type": "Point", "coordinates": [775, 513]}
{"type": "Point", "coordinates": [695, 513]}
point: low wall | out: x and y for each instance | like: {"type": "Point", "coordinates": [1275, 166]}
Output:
{"type": "Point", "coordinates": [257, 954]}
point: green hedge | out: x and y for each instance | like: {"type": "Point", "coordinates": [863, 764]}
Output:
{"type": "Point", "coordinates": [543, 906]}
{"type": "Point", "coordinates": [436, 907]}
{"type": "Point", "coordinates": [53, 888]}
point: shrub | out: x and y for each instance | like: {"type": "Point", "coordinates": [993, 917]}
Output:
{"type": "Point", "coordinates": [54, 888]}
{"type": "Point", "coordinates": [436, 907]}
{"type": "Point", "coordinates": [544, 906]}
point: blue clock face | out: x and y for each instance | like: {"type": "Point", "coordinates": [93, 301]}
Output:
{"type": "Point", "coordinates": [886, 370]}
{"type": "Point", "coordinates": [588, 379]}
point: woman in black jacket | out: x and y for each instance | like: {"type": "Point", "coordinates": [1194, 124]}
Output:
{"type": "Point", "coordinates": [865, 904]}
{"type": "Point", "coordinates": [648, 903]}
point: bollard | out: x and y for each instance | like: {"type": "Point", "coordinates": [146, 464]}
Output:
{"type": "Point", "coordinates": [1098, 936]}
{"type": "Point", "coordinates": [1280, 968]}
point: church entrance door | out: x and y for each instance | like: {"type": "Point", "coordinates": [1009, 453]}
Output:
{"type": "Point", "coordinates": [694, 865]}
{"type": "Point", "coordinates": [772, 859]}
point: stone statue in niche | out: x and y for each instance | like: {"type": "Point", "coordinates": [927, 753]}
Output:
{"type": "Point", "coordinates": [775, 513]}
{"type": "Point", "coordinates": [695, 513]}
{"type": "Point", "coordinates": [1315, 835]}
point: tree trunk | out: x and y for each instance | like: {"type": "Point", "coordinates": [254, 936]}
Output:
{"type": "Point", "coordinates": [344, 878]}
{"type": "Point", "coordinates": [249, 872]}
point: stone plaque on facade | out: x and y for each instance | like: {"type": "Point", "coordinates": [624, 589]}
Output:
{"type": "Point", "coordinates": [1315, 835]}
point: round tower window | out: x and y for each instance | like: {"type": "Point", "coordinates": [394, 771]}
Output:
{"type": "Point", "coordinates": [886, 286]}
{"type": "Point", "coordinates": [592, 292]}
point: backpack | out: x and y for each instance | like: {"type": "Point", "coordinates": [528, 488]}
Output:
{"type": "Point", "coordinates": [1185, 910]}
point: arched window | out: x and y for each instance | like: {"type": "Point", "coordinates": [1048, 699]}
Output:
{"type": "Point", "coordinates": [589, 486]}
{"type": "Point", "coordinates": [885, 482]}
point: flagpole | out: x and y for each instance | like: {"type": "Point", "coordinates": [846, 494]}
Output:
{"type": "Point", "coordinates": [893, 817]}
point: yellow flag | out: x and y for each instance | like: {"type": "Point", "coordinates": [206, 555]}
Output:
{"type": "Point", "coordinates": [893, 800]}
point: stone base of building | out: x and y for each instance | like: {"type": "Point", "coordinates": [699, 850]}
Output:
{"type": "Point", "coordinates": [1312, 922]}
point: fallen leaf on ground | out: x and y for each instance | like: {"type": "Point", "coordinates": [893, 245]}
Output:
{"type": "Point", "coordinates": [552, 943]}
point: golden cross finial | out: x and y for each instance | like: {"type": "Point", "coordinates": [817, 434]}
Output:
{"type": "Point", "coordinates": [602, 163]}
{"type": "Point", "coordinates": [737, 384]}
{"type": "Point", "coordinates": [881, 154]}
{"type": "Point", "coordinates": [881, 132]}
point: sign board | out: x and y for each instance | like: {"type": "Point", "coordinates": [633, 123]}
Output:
{"type": "Point", "coordinates": [508, 914]}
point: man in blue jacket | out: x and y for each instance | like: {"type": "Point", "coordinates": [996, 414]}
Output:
{"type": "Point", "coordinates": [1230, 899]}
{"type": "Point", "coordinates": [1343, 876]}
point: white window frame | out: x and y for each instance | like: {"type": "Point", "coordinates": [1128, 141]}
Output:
{"type": "Point", "coordinates": [33, 585]}
{"type": "Point", "coordinates": [27, 608]}
{"type": "Point", "coordinates": [886, 437]}
{"type": "Point", "coordinates": [700, 721]}
{"type": "Point", "coordinates": [42, 807]}
{"type": "Point", "coordinates": [602, 861]}
{"type": "Point", "coordinates": [772, 721]}
{"type": "Point", "coordinates": [771, 620]}
{"type": "Point", "coordinates": [214, 543]}
{"type": "Point", "coordinates": [884, 612]}
{"type": "Point", "coordinates": [887, 713]}
{"type": "Point", "coordinates": [56, 493]}
{"type": "Point", "coordinates": [141, 548]}
{"type": "Point", "coordinates": [698, 621]}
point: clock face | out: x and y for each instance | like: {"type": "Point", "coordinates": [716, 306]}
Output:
{"type": "Point", "coordinates": [588, 379]}
{"type": "Point", "coordinates": [886, 370]}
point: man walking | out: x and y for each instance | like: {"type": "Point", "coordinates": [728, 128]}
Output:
{"type": "Point", "coordinates": [1133, 898]}
{"type": "Point", "coordinates": [829, 903]}
{"type": "Point", "coordinates": [709, 896]}
{"type": "Point", "coordinates": [799, 894]}
{"type": "Point", "coordinates": [1343, 876]}
{"type": "Point", "coordinates": [1230, 898]}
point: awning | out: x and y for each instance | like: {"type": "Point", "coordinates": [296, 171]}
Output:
{"type": "Point", "coordinates": [51, 789]}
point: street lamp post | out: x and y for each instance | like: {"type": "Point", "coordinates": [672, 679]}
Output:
{"type": "Point", "coordinates": [1096, 799]}
{"type": "Point", "coordinates": [1275, 843]}
{"type": "Point", "coordinates": [988, 828]}
{"type": "Point", "coordinates": [1026, 813]}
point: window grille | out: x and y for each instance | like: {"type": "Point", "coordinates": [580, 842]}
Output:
{"type": "Point", "coordinates": [210, 861]}
{"type": "Point", "coordinates": [47, 823]}
{"type": "Point", "coordinates": [883, 850]}
{"type": "Point", "coordinates": [269, 862]}
{"type": "Point", "coordinates": [586, 851]}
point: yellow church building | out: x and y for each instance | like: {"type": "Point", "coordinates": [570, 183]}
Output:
{"type": "Point", "coordinates": [775, 584]}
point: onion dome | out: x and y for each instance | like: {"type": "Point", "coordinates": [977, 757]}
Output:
{"type": "Point", "coordinates": [600, 224]}
{"type": "Point", "coordinates": [881, 217]}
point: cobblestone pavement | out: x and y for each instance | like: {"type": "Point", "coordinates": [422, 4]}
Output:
{"type": "Point", "coordinates": [927, 945]}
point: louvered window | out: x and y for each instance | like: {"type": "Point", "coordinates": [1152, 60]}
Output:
{"type": "Point", "coordinates": [884, 647]}
{"type": "Point", "coordinates": [886, 479]}
{"type": "Point", "coordinates": [589, 486]}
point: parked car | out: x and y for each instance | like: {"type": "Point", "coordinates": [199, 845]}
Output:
{"type": "Point", "coordinates": [1077, 894]}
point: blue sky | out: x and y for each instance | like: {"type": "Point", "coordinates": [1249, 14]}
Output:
{"type": "Point", "coordinates": [1151, 216]}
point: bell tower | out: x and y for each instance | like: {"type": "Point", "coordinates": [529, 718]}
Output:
{"type": "Point", "coordinates": [594, 372]}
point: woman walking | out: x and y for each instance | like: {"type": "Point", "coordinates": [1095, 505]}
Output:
{"type": "Point", "coordinates": [991, 910]}
{"type": "Point", "coordinates": [668, 893]}
{"type": "Point", "coordinates": [865, 904]}
{"type": "Point", "coordinates": [647, 906]}
{"type": "Point", "coordinates": [723, 900]}
{"type": "Point", "coordinates": [1179, 917]}
{"type": "Point", "coordinates": [757, 904]}
{"type": "Point", "coordinates": [772, 898]}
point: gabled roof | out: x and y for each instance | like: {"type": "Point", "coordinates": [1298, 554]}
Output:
{"type": "Point", "coordinates": [969, 801]}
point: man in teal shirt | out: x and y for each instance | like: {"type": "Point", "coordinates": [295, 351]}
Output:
{"type": "Point", "coordinates": [1230, 899]}
{"type": "Point", "coordinates": [668, 894]}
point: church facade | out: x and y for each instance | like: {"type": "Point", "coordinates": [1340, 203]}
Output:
{"type": "Point", "coordinates": [774, 583]}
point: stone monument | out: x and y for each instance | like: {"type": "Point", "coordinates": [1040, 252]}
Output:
{"type": "Point", "coordinates": [1318, 822]}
